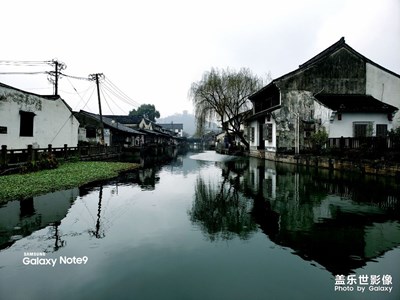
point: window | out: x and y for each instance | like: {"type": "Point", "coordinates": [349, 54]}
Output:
{"type": "Point", "coordinates": [90, 132]}
{"type": "Point", "coordinates": [252, 133]}
{"type": "Point", "coordinates": [3, 130]}
{"type": "Point", "coordinates": [267, 132]}
{"type": "Point", "coordinates": [362, 129]}
{"type": "Point", "coordinates": [26, 123]}
{"type": "Point", "coordinates": [381, 130]}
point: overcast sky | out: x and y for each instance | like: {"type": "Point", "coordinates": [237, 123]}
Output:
{"type": "Point", "coordinates": [153, 50]}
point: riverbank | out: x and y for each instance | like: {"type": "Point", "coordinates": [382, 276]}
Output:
{"type": "Point", "coordinates": [66, 176]}
{"type": "Point", "coordinates": [364, 166]}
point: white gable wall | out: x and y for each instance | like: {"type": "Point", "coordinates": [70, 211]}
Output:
{"type": "Point", "coordinates": [253, 141]}
{"type": "Point", "coordinates": [385, 87]}
{"type": "Point", "coordinates": [322, 115]}
{"type": "Point", "coordinates": [53, 122]}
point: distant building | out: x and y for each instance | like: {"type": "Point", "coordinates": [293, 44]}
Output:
{"type": "Point", "coordinates": [154, 134]}
{"type": "Point", "coordinates": [176, 128]}
{"type": "Point", "coordinates": [31, 119]}
{"type": "Point", "coordinates": [115, 133]}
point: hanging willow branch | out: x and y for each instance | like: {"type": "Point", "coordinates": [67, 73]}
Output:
{"type": "Point", "coordinates": [221, 95]}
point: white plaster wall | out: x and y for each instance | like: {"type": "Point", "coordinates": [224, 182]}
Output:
{"type": "Point", "coordinates": [384, 87]}
{"type": "Point", "coordinates": [345, 126]}
{"type": "Point", "coordinates": [254, 178]}
{"type": "Point", "coordinates": [53, 124]}
{"type": "Point", "coordinates": [254, 144]}
{"type": "Point", "coordinates": [323, 113]}
{"type": "Point", "coordinates": [271, 146]}
{"type": "Point", "coordinates": [270, 174]}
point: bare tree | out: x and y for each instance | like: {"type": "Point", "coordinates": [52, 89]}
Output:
{"type": "Point", "coordinates": [222, 95]}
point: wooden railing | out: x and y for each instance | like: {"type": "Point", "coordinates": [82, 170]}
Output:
{"type": "Point", "coordinates": [375, 143]}
{"type": "Point", "coordinates": [9, 157]}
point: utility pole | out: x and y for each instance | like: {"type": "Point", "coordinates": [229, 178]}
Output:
{"type": "Point", "coordinates": [96, 78]}
{"type": "Point", "coordinates": [56, 79]}
{"type": "Point", "coordinates": [59, 66]}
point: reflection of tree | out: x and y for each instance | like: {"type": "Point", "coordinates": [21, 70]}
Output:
{"type": "Point", "coordinates": [221, 211]}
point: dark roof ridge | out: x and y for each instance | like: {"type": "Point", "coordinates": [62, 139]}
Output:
{"type": "Point", "coordinates": [322, 54]}
{"type": "Point", "coordinates": [336, 46]}
{"type": "Point", "coordinates": [354, 101]}
{"type": "Point", "coordinates": [318, 57]}
{"type": "Point", "coordinates": [109, 122]}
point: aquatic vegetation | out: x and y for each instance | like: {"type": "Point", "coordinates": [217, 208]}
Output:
{"type": "Point", "coordinates": [67, 175]}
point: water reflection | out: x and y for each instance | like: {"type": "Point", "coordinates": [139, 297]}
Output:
{"type": "Point", "coordinates": [238, 226]}
{"type": "Point", "coordinates": [20, 218]}
{"type": "Point", "coordinates": [221, 210]}
{"type": "Point", "coordinates": [338, 220]}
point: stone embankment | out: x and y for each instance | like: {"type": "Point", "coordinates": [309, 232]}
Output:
{"type": "Point", "coordinates": [377, 167]}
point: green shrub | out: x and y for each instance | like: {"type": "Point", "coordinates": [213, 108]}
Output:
{"type": "Point", "coordinates": [45, 161]}
{"type": "Point", "coordinates": [319, 139]}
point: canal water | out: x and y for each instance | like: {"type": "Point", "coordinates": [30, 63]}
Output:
{"type": "Point", "coordinates": [206, 226]}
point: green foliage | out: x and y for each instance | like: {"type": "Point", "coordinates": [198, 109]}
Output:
{"type": "Point", "coordinates": [319, 138]}
{"type": "Point", "coordinates": [146, 110]}
{"type": "Point", "coordinates": [66, 176]}
{"type": "Point", "coordinates": [395, 132]}
{"type": "Point", "coordinates": [44, 162]}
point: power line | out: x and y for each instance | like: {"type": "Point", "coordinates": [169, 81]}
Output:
{"type": "Point", "coordinates": [90, 97]}
{"type": "Point", "coordinates": [116, 91]}
{"type": "Point", "coordinates": [23, 73]}
{"type": "Point", "coordinates": [106, 101]}
{"type": "Point", "coordinates": [23, 63]}
{"type": "Point", "coordinates": [75, 77]}
{"type": "Point", "coordinates": [123, 95]}
{"type": "Point", "coordinates": [117, 95]}
{"type": "Point", "coordinates": [79, 94]}
{"type": "Point", "coordinates": [54, 75]}
{"type": "Point", "coordinates": [103, 91]}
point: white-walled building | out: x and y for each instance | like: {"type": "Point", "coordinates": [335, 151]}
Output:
{"type": "Point", "coordinates": [31, 119]}
{"type": "Point", "coordinates": [338, 90]}
{"type": "Point", "coordinates": [355, 115]}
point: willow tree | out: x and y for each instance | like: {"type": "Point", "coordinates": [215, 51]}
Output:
{"type": "Point", "coordinates": [222, 95]}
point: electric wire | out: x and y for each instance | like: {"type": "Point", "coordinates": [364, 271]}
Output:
{"type": "Point", "coordinates": [23, 63]}
{"type": "Point", "coordinates": [105, 99]}
{"type": "Point", "coordinates": [117, 96]}
{"type": "Point", "coordinates": [58, 132]}
{"type": "Point", "coordinates": [111, 98]}
{"type": "Point", "coordinates": [107, 85]}
{"type": "Point", "coordinates": [90, 97]}
{"type": "Point", "coordinates": [119, 91]}
{"type": "Point", "coordinates": [79, 94]}
{"type": "Point", "coordinates": [75, 77]}
{"type": "Point", "coordinates": [24, 73]}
